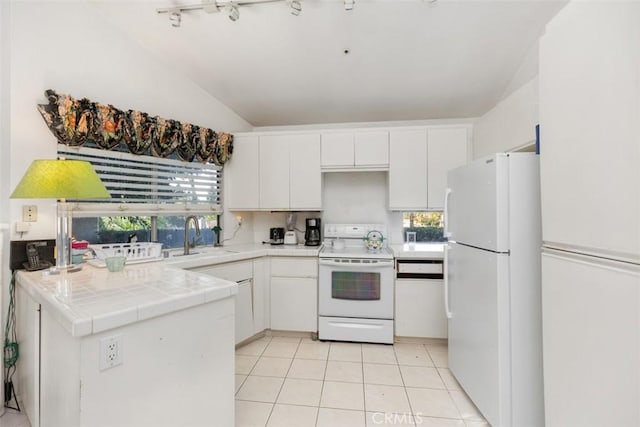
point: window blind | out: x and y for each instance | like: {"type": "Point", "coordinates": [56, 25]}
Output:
{"type": "Point", "coordinates": [145, 185]}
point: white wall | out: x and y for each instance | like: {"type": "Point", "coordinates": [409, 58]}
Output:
{"type": "Point", "coordinates": [359, 197]}
{"type": "Point", "coordinates": [4, 169]}
{"type": "Point", "coordinates": [68, 47]}
{"type": "Point", "coordinates": [509, 125]}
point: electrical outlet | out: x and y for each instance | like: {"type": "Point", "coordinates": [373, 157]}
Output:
{"type": "Point", "coordinates": [110, 352]}
{"type": "Point", "coordinates": [29, 213]}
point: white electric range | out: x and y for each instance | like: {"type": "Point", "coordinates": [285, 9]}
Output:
{"type": "Point", "coordinates": [355, 285]}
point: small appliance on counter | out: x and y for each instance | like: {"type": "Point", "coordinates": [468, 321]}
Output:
{"type": "Point", "coordinates": [290, 237]}
{"type": "Point", "coordinates": [312, 232]}
{"type": "Point", "coordinates": [276, 236]}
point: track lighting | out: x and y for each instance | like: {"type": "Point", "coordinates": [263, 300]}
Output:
{"type": "Point", "coordinates": [230, 7]}
{"type": "Point", "coordinates": [296, 7]}
{"type": "Point", "coordinates": [175, 18]}
{"type": "Point", "coordinates": [233, 12]}
{"type": "Point", "coordinates": [348, 4]}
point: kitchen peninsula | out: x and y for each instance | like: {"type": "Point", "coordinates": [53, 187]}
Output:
{"type": "Point", "coordinates": [152, 345]}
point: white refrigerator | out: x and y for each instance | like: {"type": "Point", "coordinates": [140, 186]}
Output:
{"type": "Point", "coordinates": [492, 286]}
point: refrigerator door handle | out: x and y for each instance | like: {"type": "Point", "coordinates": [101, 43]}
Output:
{"type": "Point", "coordinates": [446, 233]}
{"type": "Point", "coordinates": [446, 281]}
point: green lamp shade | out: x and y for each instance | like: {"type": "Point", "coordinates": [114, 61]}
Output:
{"type": "Point", "coordinates": [60, 179]}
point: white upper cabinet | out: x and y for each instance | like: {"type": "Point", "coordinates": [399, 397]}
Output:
{"type": "Point", "coordinates": [337, 150]}
{"type": "Point", "coordinates": [242, 172]}
{"type": "Point", "coordinates": [348, 150]}
{"type": "Point", "coordinates": [446, 150]}
{"type": "Point", "coordinates": [419, 160]}
{"type": "Point", "coordinates": [408, 169]}
{"type": "Point", "coordinates": [274, 172]}
{"type": "Point", "coordinates": [371, 149]}
{"type": "Point", "coordinates": [290, 175]}
{"type": "Point", "coordinates": [305, 178]}
{"type": "Point", "coordinates": [589, 129]}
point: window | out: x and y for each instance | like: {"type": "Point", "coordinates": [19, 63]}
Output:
{"type": "Point", "coordinates": [169, 230]}
{"type": "Point", "coordinates": [428, 226]}
{"type": "Point", "coordinates": [150, 198]}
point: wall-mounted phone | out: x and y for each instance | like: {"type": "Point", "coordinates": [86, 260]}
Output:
{"type": "Point", "coordinates": [34, 263]}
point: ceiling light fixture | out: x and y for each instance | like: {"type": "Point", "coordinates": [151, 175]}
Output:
{"type": "Point", "coordinates": [296, 7]}
{"type": "Point", "coordinates": [231, 8]}
{"type": "Point", "coordinates": [175, 18]}
{"type": "Point", "coordinates": [348, 4]}
{"type": "Point", "coordinates": [233, 12]}
{"type": "Point", "coordinates": [210, 6]}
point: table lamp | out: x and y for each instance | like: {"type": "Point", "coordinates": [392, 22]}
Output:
{"type": "Point", "coordinates": [61, 179]}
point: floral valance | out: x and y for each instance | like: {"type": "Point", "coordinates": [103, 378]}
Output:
{"type": "Point", "coordinates": [76, 122]}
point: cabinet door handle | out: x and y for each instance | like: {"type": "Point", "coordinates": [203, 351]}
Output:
{"type": "Point", "coordinates": [447, 309]}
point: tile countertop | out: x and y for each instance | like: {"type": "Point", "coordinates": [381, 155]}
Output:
{"type": "Point", "coordinates": [217, 255]}
{"type": "Point", "coordinates": [420, 251]}
{"type": "Point", "coordinates": [94, 300]}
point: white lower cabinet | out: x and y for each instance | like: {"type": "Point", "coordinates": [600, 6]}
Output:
{"type": "Point", "coordinates": [294, 294]}
{"type": "Point", "coordinates": [245, 303]}
{"type": "Point", "coordinates": [244, 310]}
{"type": "Point", "coordinates": [420, 308]}
{"type": "Point", "coordinates": [260, 295]}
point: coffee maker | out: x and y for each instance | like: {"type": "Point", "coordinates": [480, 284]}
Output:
{"type": "Point", "coordinates": [312, 232]}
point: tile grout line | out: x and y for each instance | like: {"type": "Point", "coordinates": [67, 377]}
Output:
{"type": "Point", "coordinates": [283, 381]}
{"type": "Point", "coordinates": [324, 377]}
{"type": "Point", "coordinates": [406, 392]}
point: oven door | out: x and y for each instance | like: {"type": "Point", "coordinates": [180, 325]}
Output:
{"type": "Point", "coordinates": [360, 288]}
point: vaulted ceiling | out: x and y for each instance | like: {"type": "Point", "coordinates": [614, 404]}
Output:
{"type": "Point", "coordinates": [383, 60]}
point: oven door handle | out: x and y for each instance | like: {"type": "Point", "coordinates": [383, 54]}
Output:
{"type": "Point", "coordinates": [358, 266]}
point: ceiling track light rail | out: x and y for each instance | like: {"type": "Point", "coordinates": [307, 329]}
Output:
{"type": "Point", "coordinates": [231, 8]}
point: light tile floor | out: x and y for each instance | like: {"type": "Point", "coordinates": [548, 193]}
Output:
{"type": "Point", "coordinates": [297, 382]}
{"type": "Point", "coordinates": [286, 381]}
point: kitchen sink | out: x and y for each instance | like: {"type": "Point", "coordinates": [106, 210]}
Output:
{"type": "Point", "coordinates": [178, 254]}
{"type": "Point", "coordinates": [202, 252]}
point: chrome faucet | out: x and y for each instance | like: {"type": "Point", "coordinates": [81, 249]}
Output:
{"type": "Point", "coordinates": [186, 231]}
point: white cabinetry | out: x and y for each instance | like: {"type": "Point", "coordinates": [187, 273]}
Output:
{"type": "Point", "coordinates": [260, 295]}
{"type": "Point", "coordinates": [589, 127]}
{"type": "Point", "coordinates": [408, 169]}
{"type": "Point", "coordinates": [294, 294]}
{"type": "Point", "coordinates": [419, 160]}
{"type": "Point", "coordinates": [420, 308]}
{"type": "Point", "coordinates": [586, 304]}
{"type": "Point", "coordinates": [246, 302]}
{"type": "Point", "coordinates": [290, 175]}
{"type": "Point", "coordinates": [348, 150]}
{"type": "Point", "coordinates": [305, 178]}
{"type": "Point", "coordinates": [446, 150]}
{"type": "Point", "coordinates": [242, 171]}
{"type": "Point", "coordinates": [274, 172]}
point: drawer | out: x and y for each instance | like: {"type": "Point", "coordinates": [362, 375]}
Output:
{"type": "Point", "coordinates": [234, 271]}
{"type": "Point", "coordinates": [294, 267]}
